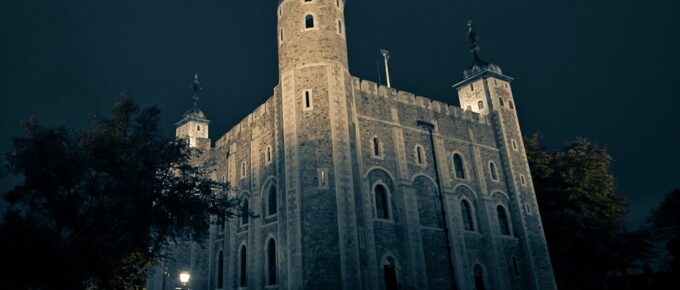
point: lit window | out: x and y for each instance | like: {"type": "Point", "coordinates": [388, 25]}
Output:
{"type": "Point", "coordinates": [467, 215]}
{"type": "Point", "coordinates": [309, 21]}
{"type": "Point", "coordinates": [323, 178]}
{"type": "Point", "coordinates": [458, 166]}
{"type": "Point", "coordinates": [381, 202]}
{"type": "Point", "coordinates": [503, 222]}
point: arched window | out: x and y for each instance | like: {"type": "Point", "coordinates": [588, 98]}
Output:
{"type": "Point", "coordinates": [493, 171]}
{"type": "Point", "coordinates": [390, 272]}
{"type": "Point", "coordinates": [479, 277]}
{"type": "Point", "coordinates": [271, 263]}
{"type": "Point", "coordinates": [467, 215]}
{"type": "Point", "coordinates": [244, 212]}
{"type": "Point", "coordinates": [501, 102]}
{"type": "Point", "coordinates": [220, 270]}
{"type": "Point", "coordinates": [503, 222]}
{"type": "Point", "coordinates": [243, 169]}
{"type": "Point", "coordinates": [458, 166]}
{"type": "Point", "coordinates": [376, 147]}
{"type": "Point", "coordinates": [381, 202]}
{"type": "Point", "coordinates": [511, 105]}
{"type": "Point", "coordinates": [480, 105]}
{"type": "Point", "coordinates": [272, 205]}
{"type": "Point", "coordinates": [309, 21]}
{"type": "Point", "coordinates": [242, 273]}
{"type": "Point", "coordinates": [269, 154]}
{"type": "Point", "coordinates": [420, 155]}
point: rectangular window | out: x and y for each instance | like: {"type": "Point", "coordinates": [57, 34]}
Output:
{"type": "Point", "coordinates": [514, 145]}
{"type": "Point", "coordinates": [522, 180]}
{"type": "Point", "coordinates": [307, 100]}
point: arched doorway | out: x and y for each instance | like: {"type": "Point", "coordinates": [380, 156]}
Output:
{"type": "Point", "coordinates": [390, 271]}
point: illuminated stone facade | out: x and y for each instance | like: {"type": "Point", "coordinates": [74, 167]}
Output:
{"type": "Point", "coordinates": [343, 181]}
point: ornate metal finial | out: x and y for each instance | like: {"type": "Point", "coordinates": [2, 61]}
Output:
{"type": "Point", "coordinates": [196, 86]}
{"type": "Point", "coordinates": [472, 36]}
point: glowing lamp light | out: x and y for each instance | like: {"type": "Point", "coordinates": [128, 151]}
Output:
{"type": "Point", "coordinates": [184, 277]}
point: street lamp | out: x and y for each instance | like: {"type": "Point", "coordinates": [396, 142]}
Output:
{"type": "Point", "coordinates": [430, 128]}
{"type": "Point", "coordinates": [184, 278]}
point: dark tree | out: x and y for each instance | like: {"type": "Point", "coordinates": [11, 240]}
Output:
{"type": "Point", "coordinates": [666, 225]}
{"type": "Point", "coordinates": [96, 208]}
{"type": "Point", "coordinates": [582, 215]}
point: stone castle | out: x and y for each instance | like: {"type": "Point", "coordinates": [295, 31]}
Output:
{"type": "Point", "coordinates": [355, 185]}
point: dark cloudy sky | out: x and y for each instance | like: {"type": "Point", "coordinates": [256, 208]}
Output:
{"type": "Point", "coordinates": [601, 69]}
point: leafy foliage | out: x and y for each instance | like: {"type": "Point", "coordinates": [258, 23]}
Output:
{"type": "Point", "coordinates": [98, 207]}
{"type": "Point", "coordinates": [583, 217]}
{"type": "Point", "coordinates": [666, 225]}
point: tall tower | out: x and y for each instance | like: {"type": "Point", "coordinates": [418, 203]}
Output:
{"type": "Point", "coordinates": [487, 91]}
{"type": "Point", "coordinates": [314, 88]}
{"type": "Point", "coordinates": [193, 126]}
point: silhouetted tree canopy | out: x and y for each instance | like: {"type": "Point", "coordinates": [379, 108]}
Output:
{"type": "Point", "coordinates": [96, 208]}
{"type": "Point", "coordinates": [583, 217]}
{"type": "Point", "coordinates": [666, 225]}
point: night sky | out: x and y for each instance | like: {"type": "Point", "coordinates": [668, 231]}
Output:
{"type": "Point", "coordinates": [600, 69]}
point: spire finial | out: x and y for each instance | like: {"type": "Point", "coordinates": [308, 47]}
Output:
{"type": "Point", "coordinates": [196, 86]}
{"type": "Point", "coordinates": [472, 36]}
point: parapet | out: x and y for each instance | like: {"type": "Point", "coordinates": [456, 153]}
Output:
{"type": "Point", "coordinates": [411, 99]}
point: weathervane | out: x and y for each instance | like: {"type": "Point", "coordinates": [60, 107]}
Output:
{"type": "Point", "coordinates": [196, 86]}
{"type": "Point", "coordinates": [472, 35]}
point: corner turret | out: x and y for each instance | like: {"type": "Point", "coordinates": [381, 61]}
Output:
{"type": "Point", "coordinates": [194, 127]}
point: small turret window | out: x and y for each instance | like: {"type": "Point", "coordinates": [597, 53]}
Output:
{"type": "Point", "coordinates": [309, 21]}
{"type": "Point", "coordinates": [511, 105]}
{"type": "Point", "coordinates": [501, 102]}
{"type": "Point", "coordinates": [307, 100]}
{"type": "Point", "coordinates": [340, 26]}
{"type": "Point", "coordinates": [198, 128]}
{"type": "Point", "coordinates": [480, 105]}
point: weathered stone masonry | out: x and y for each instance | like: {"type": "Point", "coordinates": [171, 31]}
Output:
{"type": "Point", "coordinates": [356, 195]}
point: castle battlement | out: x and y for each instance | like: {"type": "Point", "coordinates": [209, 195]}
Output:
{"type": "Point", "coordinates": [373, 89]}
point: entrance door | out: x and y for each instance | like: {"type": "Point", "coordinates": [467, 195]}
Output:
{"type": "Point", "coordinates": [390, 271]}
